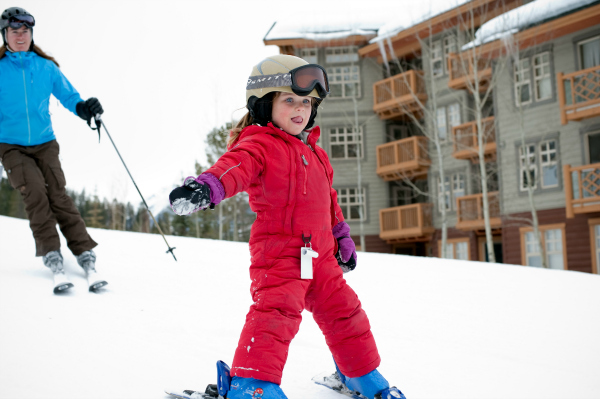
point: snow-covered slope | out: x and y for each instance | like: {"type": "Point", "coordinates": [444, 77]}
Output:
{"type": "Point", "coordinates": [445, 329]}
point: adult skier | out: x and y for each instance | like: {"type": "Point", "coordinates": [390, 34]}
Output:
{"type": "Point", "coordinates": [298, 234]}
{"type": "Point", "coordinates": [28, 147]}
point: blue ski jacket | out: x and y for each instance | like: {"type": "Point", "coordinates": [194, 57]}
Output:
{"type": "Point", "coordinates": [26, 83]}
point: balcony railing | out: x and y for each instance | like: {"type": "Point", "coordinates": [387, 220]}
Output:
{"type": "Point", "coordinates": [406, 223]}
{"type": "Point", "coordinates": [582, 189]}
{"type": "Point", "coordinates": [461, 69]}
{"type": "Point", "coordinates": [408, 157]}
{"type": "Point", "coordinates": [466, 145]}
{"type": "Point", "coordinates": [399, 95]}
{"type": "Point", "coordinates": [579, 94]}
{"type": "Point", "coordinates": [470, 211]}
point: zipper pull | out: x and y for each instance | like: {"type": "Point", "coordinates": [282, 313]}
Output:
{"type": "Point", "coordinates": [304, 160]}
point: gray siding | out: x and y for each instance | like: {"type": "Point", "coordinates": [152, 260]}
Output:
{"type": "Point", "coordinates": [539, 122]}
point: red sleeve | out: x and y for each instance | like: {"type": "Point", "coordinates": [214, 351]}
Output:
{"type": "Point", "coordinates": [241, 165]}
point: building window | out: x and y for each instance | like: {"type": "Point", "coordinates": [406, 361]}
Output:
{"type": "Point", "coordinates": [447, 118]}
{"type": "Point", "coordinates": [344, 81]}
{"type": "Point", "coordinates": [453, 188]}
{"type": "Point", "coordinates": [341, 54]}
{"type": "Point", "coordinates": [549, 164]}
{"type": "Point", "coordinates": [345, 143]}
{"type": "Point", "coordinates": [437, 60]}
{"type": "Point", "coordinates": [527, 167]}
{"type": "Point", "coordinates": [534, 69]}
{"type": "Point", "coordinates": [522, 82]}
{"type": "Point", "coordinates": [352, 202]}
{"type": "Point", "coordinates": [457, 248]}
{"type": "Point", "coordinates": [589, 52]}
{"type": "Point", "coordinates": [450, 47]}
{"type": "Point", "coordinates": [441, 123]}
{"type": "Point", "coordinates": [541, 75]}
{"type": "Point", "coordinates": [595, 244]}
{"type": "Point", "coordinates": [553, 242]}
{"type": "Point", "coordinates": [309, 55]}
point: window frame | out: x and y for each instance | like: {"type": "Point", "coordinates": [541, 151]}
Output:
{"type": "Point", "coordinates": [439, 57]}
{"type": "Point", "coordinates": [347, 131]}
{"type": "Point", "coordinates": [595, 245]}
{"type": "Point", "coordinates": [351, 54]}
{"type": "Point", "coordinates": [579, 53]}
{"type": "Point", "coordinates": [453, 242]}
{"type": "Point", "coordinates": [543, 229]}
{"type": "Point", "coordinates": [348, 204]}
{"type": "Point", "coordinates": [549, 162]}
{"type": "Point", "coordinates": [447, 49]}
{"type": "Point", "coordinates": [533, 165]}
{"type": "Point", "coordinates": [332, 75]}
{"type": "Point", "coordinates": [308, 58]}
{"type": "Point", "coordinates": [547, 76]}
{"type": "Point", "coordinates": [526, 75]}
{"type": "Point", "coordinates": [450, 194]}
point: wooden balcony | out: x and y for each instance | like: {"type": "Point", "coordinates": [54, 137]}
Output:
{"type": "Point", "coordinates": [408, 223]}
{"type": "Point", "coordinates": [579, 94]}
{"type": "Point", "coordinates": [399, 95]}
{"type": "Point", "coordinates": [466, 145]}
{"type": "Point", "coordinates": [470, 211]}
{"type": "Point", "coordinates": [408, 157]}
{"type": "Point", "coordinates": [582, 189]}
{"type": "Point", "coordinates": [461, 69]}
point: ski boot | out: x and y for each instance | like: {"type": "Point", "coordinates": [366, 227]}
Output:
{"type": "Point", "coordinates": [371, 385]}
{"type": "Point", "coordinates": [243, 388]}
{"type": "Point", "coordinates": [87, 260]}
{"type": "Point", "coordinates": [54, 261]}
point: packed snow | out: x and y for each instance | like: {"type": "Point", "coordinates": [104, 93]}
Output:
{"type": "Point", "coordinates": [445, 329]}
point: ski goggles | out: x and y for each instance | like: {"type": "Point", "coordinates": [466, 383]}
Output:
{"type": "Point", "coordinates": [17, 21]}
{"type": "Point", "coordinates": [302, 80]}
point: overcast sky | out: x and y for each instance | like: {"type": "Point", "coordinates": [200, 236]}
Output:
{"type": "Point", "coordinates": [166, 73]}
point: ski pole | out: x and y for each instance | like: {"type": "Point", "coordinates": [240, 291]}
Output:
{"type": "Point", "coordinates": [100, 122]}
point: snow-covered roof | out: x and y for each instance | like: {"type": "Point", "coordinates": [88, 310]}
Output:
{"type": "Point", "coordinates": [414, 16]}
{"type": "Point", "coordinates": [377, 24]}
{"type": "Point", "coordinates": [523, 17]}
{"type": "Point", "coordinates": [324, 29]}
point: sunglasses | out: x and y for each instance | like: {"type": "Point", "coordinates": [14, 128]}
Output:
{"type": "Point", "coordinates": [17, 21]}
{"type": "Point", "coordinates": [302, 80]}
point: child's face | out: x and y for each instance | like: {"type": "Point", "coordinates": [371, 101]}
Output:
{"type": "Point", "coordinates": [291, 112]}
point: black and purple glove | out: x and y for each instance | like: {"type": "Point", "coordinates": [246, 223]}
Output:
{"type": "Point", "coordinates": [346, 255]}
{"type": "Point", "coordinates": [196, 193]}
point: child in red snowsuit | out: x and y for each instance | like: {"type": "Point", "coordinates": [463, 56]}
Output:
{"type": "Point", "coordinates": [273, 156]}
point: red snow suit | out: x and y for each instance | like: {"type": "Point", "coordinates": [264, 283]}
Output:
{"type": "Point", "coordinates": [290, 188]}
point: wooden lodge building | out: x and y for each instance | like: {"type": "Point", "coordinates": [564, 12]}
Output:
{"type": "Point", "coordinates": [536, 68]}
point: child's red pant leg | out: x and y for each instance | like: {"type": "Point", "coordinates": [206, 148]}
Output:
{"type": "Point", "coordinates": [273, 319]}
{"type": "Point", "coordinates": [338, 312]}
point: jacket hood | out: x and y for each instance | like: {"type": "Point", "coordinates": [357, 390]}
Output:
{"type": "Point", "coordinates": [20, 56]}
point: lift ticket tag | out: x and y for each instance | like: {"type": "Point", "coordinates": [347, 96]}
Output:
{"type": "Point", "coordinates": [306, 262]}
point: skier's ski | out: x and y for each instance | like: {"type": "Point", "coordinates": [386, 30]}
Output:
{"type": "Point", "coordinates": [211, 392]}
{"type": "Point", "coordinates": [95, 282]}
{"type": "Point", "coordinates": [332, 381]}
{"type": "Point", "coordinates": [61, 283]}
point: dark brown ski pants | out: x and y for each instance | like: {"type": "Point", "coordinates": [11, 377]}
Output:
{"type": "Point", "coordinates": [36, 172]}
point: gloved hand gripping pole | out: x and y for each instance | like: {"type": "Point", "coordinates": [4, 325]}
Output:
{"type": "Point", "coordinates": [100, 123]}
